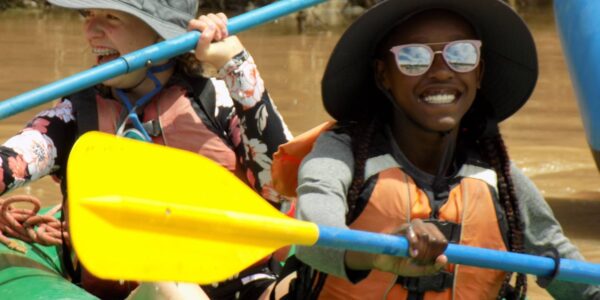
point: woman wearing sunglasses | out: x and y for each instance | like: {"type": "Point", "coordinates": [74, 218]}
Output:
{"type": "Point", "coordinates": [418, 88]}
{"type": "Point", "coordinates": [230, 119]}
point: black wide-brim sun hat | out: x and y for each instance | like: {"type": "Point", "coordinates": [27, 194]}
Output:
{"type": "Point", "coordinates": [509, 56]}
{"type": "Point", "coordinates": [169, 18]}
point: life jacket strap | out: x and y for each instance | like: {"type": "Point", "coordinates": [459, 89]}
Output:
{"type": "Point", "coordinates": [450, 230]}
{"type": "Point", "coordinates": [438, 282]}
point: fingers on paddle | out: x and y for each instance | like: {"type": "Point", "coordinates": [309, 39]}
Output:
{"type": "Point", "coordinates": [213, 28]}
{"type": "Point", "coordinates": [427, 243]}
{"type": "Point", "coordinates": [217, 23]}
{"type": "Point", "coordinates": [220, 20]}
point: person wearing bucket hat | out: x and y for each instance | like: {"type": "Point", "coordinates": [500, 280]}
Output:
{"type": "Point", "coordinates": [417, 88]}
{"type": "Point", "coordinates": [229, 118]}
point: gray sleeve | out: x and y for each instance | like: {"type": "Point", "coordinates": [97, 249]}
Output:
{"type": "Point", "coordinates": [542, 231]}
{"type": "Point", "coordinates": [323, 181]}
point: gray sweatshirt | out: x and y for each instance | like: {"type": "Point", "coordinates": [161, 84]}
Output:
{"type": "Point", "coordinates": [325, 176]}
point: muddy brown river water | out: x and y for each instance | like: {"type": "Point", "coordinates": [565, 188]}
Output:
{"type": "Point", "coordinates": [545, 138]}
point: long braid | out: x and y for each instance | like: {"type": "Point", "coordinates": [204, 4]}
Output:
{"type": "Point", "coordinates": [494, 152]}
{"type": "Point", "coordinates": [361, 134]}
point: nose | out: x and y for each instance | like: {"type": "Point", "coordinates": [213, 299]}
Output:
{"type": "Point", "coordinates": [439, 68]}
{"type": "Point", "coordinates": [93, 28]}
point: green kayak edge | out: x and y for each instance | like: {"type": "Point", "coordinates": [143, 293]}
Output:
{"type": "Point", "coordinates": [35, 275]}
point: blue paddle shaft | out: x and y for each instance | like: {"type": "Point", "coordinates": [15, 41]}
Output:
{"type": "Point", "coordinates": [143, 57]}
{"type": "Point", "coordinates": [569, 270]}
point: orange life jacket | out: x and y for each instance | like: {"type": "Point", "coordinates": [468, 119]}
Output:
{"type": "Point", "coordinates": [396, 199]}
{"type": "Point", "coordinates": [287, 159]}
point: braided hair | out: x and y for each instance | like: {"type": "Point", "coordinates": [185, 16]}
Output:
{"type": "Point", "coordinates": [494, 152]}
{"type": "Point", "coordinates": [482, 132]}
{"type": "Point", "coordinates": [362, 135]}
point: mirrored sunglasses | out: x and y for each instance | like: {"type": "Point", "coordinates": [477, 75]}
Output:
{"type": "Point", "coordinates": [415, 59]}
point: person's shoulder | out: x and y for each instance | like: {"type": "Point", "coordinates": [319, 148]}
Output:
{"type": "Point", "coordinates": [336, 137]}
{"type": "Point", "coordinates": [524, 186]}
{"type": "Point", "coordinates": [343, 131]}
{"type": "Point", "coordinates": [331, 143]}
{"type": "Point", "coordinates": [517, 173]}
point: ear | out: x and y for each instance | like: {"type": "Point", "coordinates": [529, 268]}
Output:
{"type": "Point", "coordinates": [381, 76]}
{"type": "Point", "coordinates": [480, 73]}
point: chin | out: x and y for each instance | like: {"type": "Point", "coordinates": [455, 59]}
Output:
{"type": "Point", "coordinates": [445, 126]}
{"type": "Point", "coordinates": [110, 83]}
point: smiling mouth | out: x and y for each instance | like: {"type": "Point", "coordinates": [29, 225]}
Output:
{"type": "Point", "coordinates": [439, 97]}
{"type": "Point", "coordinates": [105, 54]}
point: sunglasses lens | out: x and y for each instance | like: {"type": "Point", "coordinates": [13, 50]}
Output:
{"type": "Point", "coordinates": [462, 56]}
{"type": "Point", "coordinates": [413, 60]}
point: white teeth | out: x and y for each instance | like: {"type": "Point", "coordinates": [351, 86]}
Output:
{"type": "Point", "coordinates": [104, 51]}
{"type": "Point", "coordinates": [439, 99]}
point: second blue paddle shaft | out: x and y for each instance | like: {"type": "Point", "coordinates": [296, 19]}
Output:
{"type": "Point", "coordinates": [569, 270]}
{"type": "Point", "coordinates": [143, 57]}
{"type": "Point", "coordinates": [579, 31]}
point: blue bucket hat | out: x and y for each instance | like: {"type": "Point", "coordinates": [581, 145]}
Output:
{"type": "Point", "coordinates": [169, 18]}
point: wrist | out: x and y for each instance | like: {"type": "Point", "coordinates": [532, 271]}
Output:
{"type": "Point", "coordinates": [233, 64]}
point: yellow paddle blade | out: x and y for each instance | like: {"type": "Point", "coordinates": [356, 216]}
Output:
{"type": "Point", "coordinates": [140, 211]}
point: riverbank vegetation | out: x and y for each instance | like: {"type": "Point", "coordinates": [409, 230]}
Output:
{"type": "Point", "coordinates": [4, 4]}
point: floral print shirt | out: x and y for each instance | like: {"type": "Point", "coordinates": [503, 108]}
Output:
{"type": "Point", "coordinates": [255, 130]}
